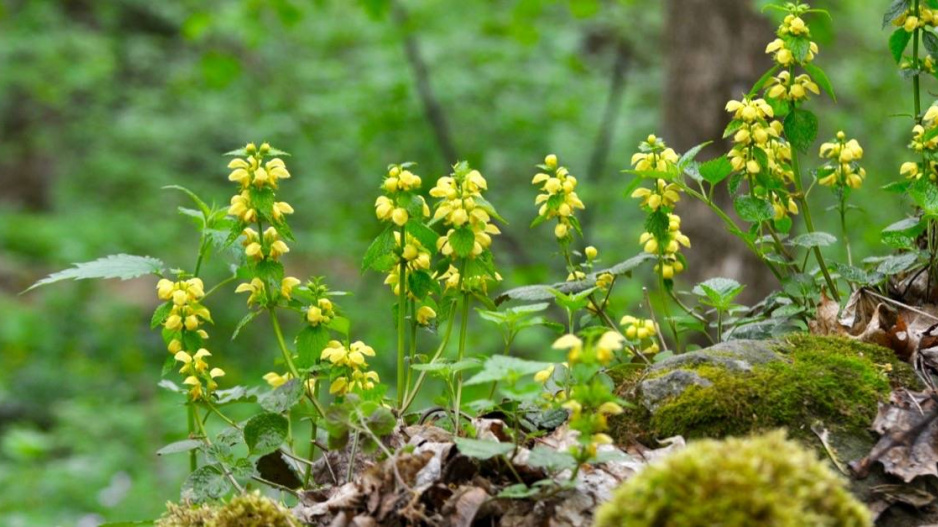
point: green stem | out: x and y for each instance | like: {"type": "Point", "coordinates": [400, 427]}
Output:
{"type": "Point", "coordinates": [667, 313]}
{"type": "Point", "coordinates": [401, 324]}
{"type": "Point", "coordinates": [218, 285]}
{"type": "Point", "coordinates": [412, 394]}
{"type": "Point", "coordinates": [685, 308]}
{"type": "Point", "coordinates": [190, 412]}
{"type": "Point", "coordinates": [287, 356]}
{"type": "Point", "coordinates": [809, 223]}
{"type": "Point", "coordinates": [463, 334]}
{"type": "Point", "coordinates": [916, 85]}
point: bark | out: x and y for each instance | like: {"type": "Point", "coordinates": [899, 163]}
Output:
{"type": "Point", "coordinates": [715, 52]}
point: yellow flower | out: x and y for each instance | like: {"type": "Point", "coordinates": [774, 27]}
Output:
{"type": "Point", "coordinates": [339, 386]}
{"type": "Point", "coordinates": [255, 287]}
{"type": "Point", "coordinates": [425, 314]}
{"type": "Point", "coordinates": [543, 375]}
{"type": "Point", "coordinates": [591, 252]}
{"type": "Point", "coordinates": [399, 216]}
{"type": "Point", "coordinates": [550, 161]}
{"type": "Point", "coordinates": [287, 285]}
{"type": "Point", "coordinates": [275, 380]}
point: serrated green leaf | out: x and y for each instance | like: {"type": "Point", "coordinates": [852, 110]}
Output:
{"type": "Point", "coordinates": [550, 459]}
{"type": "Point", "coordinates": [206, 210]}
{"type": "Point", "coordinates": [501, 367]}
{"type": "Point", "coordinates": [716, 170]}
{"type": "Point", "coordinates": [691, 154]}
{"type": "Point", "coordinates": [897, 263]}
{"type": "Point", "coordinates": [482, 449]}
{"type": "Point", "coordinates": [123, 266]}
{"type": "Point", "coordinates": [462, 240]}
{"type": "Point", "coordinates": [762, 80]}
{"type": "Point", "coordinates": [205, 483]}
{"type": "Point", "coordinates": [814, 239]}
{"type": "Point", "coordinates": [310, 342]}
{"type": "Point", "coordinates": [801, 129]}
{"type": "Point", "coordinates": [896, 8]}
{"type": "Point", "coordinates": [930, 41]}
{"type": "Point", "coordinates": [244, 322]}
{"type": "Point", "coordinates": [902, 234]}
{"type": "Point", "coordinates": [186, 445]}
{"type": "Point", "coordinates": [420, 284]}
{"type": "Point", "coordinates": [425, 235]}
{"type": "Point", "coordinates": [160, 314]}
{"type": "Point", "coordinates": [753, 210]}
{"type": "Point", "coordinates": [283, 397]}
{"type": "Point", "coordinates": [380, 254]}
{"type": "Point", "coordinates": [264, 433]}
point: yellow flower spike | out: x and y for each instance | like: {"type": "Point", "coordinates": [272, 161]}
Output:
{"type": "Point", "coordinates": [277, 249]}
{"type": "Point", "coordinates": [280, 209]}
{"type": "Point", "coordinates": [561, 231]}
{"type": "Point", "coordinates": [192, 380]}
{"type": "Point", "coordinates": [175, 346]}
{"type": "Point", "coordinates": [539, 178]}
{"type": "Point", "coordinates": [192, 322]}
{"type": "Point", "coordinates": [314, 315]}
{"type": "Point", "coordinates": [183, 357]}
{"type": "Point", "coordinates": [551, 161]}
{"type": "Point", "coordinates": [384, 208]}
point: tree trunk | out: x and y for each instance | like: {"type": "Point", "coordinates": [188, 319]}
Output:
{"type": "Point", "coordinates": [715, 52]}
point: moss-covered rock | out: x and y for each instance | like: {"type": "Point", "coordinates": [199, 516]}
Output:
{"type": "Point", "coordinates": [246, 510]}
{"type": "Point", "coordinates": [186, 515]}
{"type": "Point", "coordinates": [765, 480]}
{"type": "Point", "coordinates": [735, 388]}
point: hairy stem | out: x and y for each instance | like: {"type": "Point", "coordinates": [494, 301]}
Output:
{"type": "Point", "coordinates": [402, 323]}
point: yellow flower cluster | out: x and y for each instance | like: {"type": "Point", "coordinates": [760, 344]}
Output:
{"type": "Point", "coordinates": [923, 144]}
{"type": "Point", "coordinates": [792, 27]}
{"type": "Point", "coordinates": [642, 332]}
{"type": "Point", "coordinates": [910, 21]}
{"type": "Point", "coordinates": [559, 198]}
{"type": "Point", "coordinates": [458, 207]}
{"type": "Point", "coordinates": [187, 315]}
{"type": "Point", "coordinates": [590, 404]}
{"type": "Point", "coordinates": [258, 180]}
{"type": "Point", "coordinates": [926, 64]}
{"type": "Point", "coordinates": [355, 376]}
{"type": "Point", "coordinates": [322, 313]}
{"type": "Point", "coordinates": [666, 247]}
{"type": "Point", "coordinates": [276, 380]}
{"type": "Point", "coordinates": [415, 254]}
{"type": "Point", "coordinates": [451, 280]}
{"type": "Point", "coordinates": [784, 88]}
{"type": "Point", "coordinates": [398, 186]}
{"type": "Point", "coordinates": [843, 157]}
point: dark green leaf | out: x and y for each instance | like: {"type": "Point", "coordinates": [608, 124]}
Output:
{"type": "Point", "coordinates": [310, 342]}
{"type": "Point", "coordinates": [716, 170]}
{"type": "Point", "coordinates": [821, 79]}
{"type": "Point", "coordinates": [380, 254]}
{"type": "Point", "coordinates": [898, 41]}
{"type": "Point", "coordinates": [753, 209]}
{"type": "Point", "coordinates": [814, 239]}
{"type": "Point", "coordinates": [264, 433]}
{"type": "Point", "coordinates": [160, 314]}
{"type": "Point", "coordinates": [481, 449]}
{"type": "Point", "coordinates": [801, 129]}
{"type": "Point", "coordinates": [462, 241]}
{"type": "Point", "coordinates": [283, 397]}
{"type": "Point", "coordinates": [896, 8]}
{"type": "Point", "coordinates": [206, 483]}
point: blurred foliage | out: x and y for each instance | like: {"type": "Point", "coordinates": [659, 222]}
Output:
{"type": "Point", "coordinates": [103, 103]}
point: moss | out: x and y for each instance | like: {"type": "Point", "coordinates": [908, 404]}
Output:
{"type": "Point", "coordinates": [836, 381]}
{"type": "Point", "coordinates": [254, 510]}
{"type": "Point", "coordinates": [184, 515]}
{"type": "Point", "coordinates": [764, 480]}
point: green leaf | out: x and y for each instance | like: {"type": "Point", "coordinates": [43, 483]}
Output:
{"type": "Point", "coordinates": [518, 491]}
{"type": "Point", "coordinates": [902, 234]}
{"type": "Point", "coordinates": [501, 367]}
{"type": "Point", "coordinates": [856, 275]}
{"type": "Point", "coordinates": [896, 8]}
{"type": "Point", "coordinates": [753, 209]}
{"type": "Point", "coordinates": [821, 79]}
{"type": "Point", "coordinates": [691, 154]}
{"type": "Point", "coordinates": [550, 459]}
{"type": "Point", "coordinates": [205, 483]}
{"type": "Point", "coordinates": [310, 342]}
{"type": "Point", "coordinates": [123, 266]}
{"type": "Point", "coordinates": [206, 210]}
{"type": "Point", "coordinates": [186, 445]}
{"type": "Point", "coordinates": [925, 194]}
{"type": "Point", "coordinates": [283, 397]}
{"type": "Point", "coordinates": [801, 129]}
{"type": "Point", "coordinates": [462, 241]}
{"type": "Point", "coordinates": [762, 80]}
{"type": "Point", "coordinates": [244, 322]}
{"type": "Point", "coordinates": [720, 291]}
{"type": "Point", "coordinates": [380, 254]}
{"type": "Point", "coordinates": [160, 314]}
{"type": "Point", "coordinates": [425, 235]}
{"type": "Point", "coordinates": [931, 42]}
{"type": "Point", "coordinates": [897, 263]}
{"type": "Point", "coordinates": [716, 170]}
{"type": "Point", "coordinates": [814, 239]}
{"type": "Point", "coordinates": [420, 284]}
{"type": "Point", "coordinates": [898, 41]}
{"type": "Point", "coordinates": [264, 433]}
{"type": "Point", "coordinates": [481, 449]}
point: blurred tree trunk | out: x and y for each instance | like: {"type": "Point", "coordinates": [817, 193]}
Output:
{"type": "Point", "coordinates": [715, 52]}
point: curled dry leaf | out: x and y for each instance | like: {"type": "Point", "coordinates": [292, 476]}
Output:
{"type": "Point", "coordinates": [908, 446]}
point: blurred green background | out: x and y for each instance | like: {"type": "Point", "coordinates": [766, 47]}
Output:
{"type": "Point", "coordinates": [104, 102]}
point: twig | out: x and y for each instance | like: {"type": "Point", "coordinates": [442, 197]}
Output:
{"type": "Point", "coordinates": [651, 311]}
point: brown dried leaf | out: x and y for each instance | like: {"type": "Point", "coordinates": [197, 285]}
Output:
{"type": "Point", "coordinates": [908, 447]}
{"type": "Point", "coordinates": [466, 504]}
{"type": "Point", "coordinates": [825, 321]}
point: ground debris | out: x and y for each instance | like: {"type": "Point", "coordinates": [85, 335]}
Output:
{"type": "Point", "coordinates": [908, 446]}
{"type": "Point", "coordinates": [428, 481]}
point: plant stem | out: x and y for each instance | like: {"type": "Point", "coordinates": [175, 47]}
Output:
{"type": "Point", "coordinates": [667, 313]}
{"type": "Point", "coordinates": [401, 323]}
{"type": "Point", "coordinates": [685, 308]}
{"type": "Point", "coordinates": [287, 356]}
{"type": "Point", "coordinates": [463, 334]}
{"type": "Point", "coordinates": [916, 85]}
{"type": "Point", "coordinates": [809, 223]}
{"type": "Point", "coordinates": [412, 394]}
{"type": "Point", "coordinates": [651, 311]}
{"type": "Point", "coordinates": [190, 413]}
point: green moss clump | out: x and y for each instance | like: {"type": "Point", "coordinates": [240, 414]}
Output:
{"type": "Point", "coordinates": [254, 510]}
{"type": "Point", "coordinates": [836, 381]}
{"type": "Point", "coordinates": [764, 480]}
{"type": "Point", "coordinates": [184, 515]}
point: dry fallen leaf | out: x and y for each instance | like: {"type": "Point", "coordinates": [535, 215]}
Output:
{"type": "Point", "coordinates": [908, 447]}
